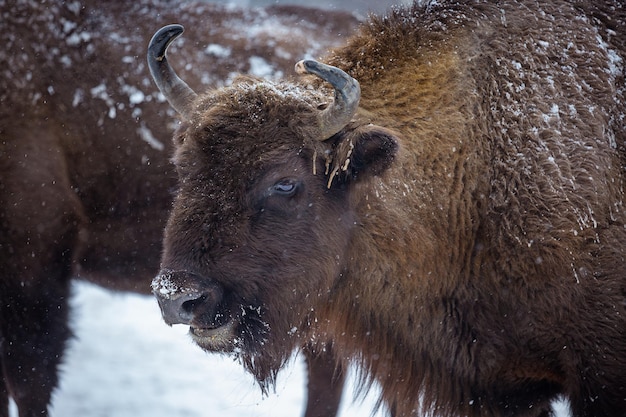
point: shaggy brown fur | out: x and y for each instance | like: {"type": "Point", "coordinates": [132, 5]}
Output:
{"type": "Point", "coordinates": [471, 254]}
{"type": "Point", "coordinates": [85, 178]}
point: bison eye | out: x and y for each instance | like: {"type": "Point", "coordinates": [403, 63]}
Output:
{"type": "Point", "coordinates": [284, 187]}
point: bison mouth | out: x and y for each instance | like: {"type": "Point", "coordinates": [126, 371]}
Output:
{"type": "Point", "coordinates": [214, 327]}
{"type": "Point", "coordinates": [228, 332]}
{"type": "Point", "coordinates": [220, 338]}
{"type": "Point", "coordinates": [218, 319]}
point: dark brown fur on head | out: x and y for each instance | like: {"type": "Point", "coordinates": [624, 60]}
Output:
{"type": "Point", "coordinates": [251, 127]}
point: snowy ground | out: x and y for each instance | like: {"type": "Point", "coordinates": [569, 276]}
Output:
{"type": "Point", "coordinates": [126, 362]}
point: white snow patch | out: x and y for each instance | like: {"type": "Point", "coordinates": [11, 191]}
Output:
{"type": "Point", "coordinates": [615, 63]}
{"type": "Point", "coordinates": [116, 37]}
{"type": "Point", "coordinates": [78, 38]}
{"type": "Point", "coordinates": [100, 91]}
{"type": "Point", "coordinates": [68, 25]}
{"type": "Point", "coordinates": [553, 114]}
{"type": "Point", "coordinates": [74, 7]}
{"type": "Point", "coordinates": [135, 95]}
{"type": "Point", "coordinates": [282, 53]}
{"type": "Point", "coordinates": [554, 110]}
{"type": "Point", "coordinates": [146, 135]}
{"type": "Point", "coordinates": [261, 68]}
{"type": "Point", "coordinates": [543, 44]}
{"type": "Point", "coordinates": [163, 285]}
{"type": "Point", "coordinates": [218, 50]}
{"type": "Point", "coordinates": [66, 61]}
{"type": "Point", "coordinates": [572, 110]}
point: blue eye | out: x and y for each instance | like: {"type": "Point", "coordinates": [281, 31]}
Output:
{"type": "Point", "coordinates": [284, 187]}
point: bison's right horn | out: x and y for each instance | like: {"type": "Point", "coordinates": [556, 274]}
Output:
{"type": "Point", "coordinates": [175, 90]}
{"type": "Point", "coordinates": [347, 96]}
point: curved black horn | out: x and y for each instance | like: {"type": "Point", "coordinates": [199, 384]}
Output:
{"type": "Point", "coordinates": [347, 95]}
{"type": "Point", "coordinates": [175, 90]}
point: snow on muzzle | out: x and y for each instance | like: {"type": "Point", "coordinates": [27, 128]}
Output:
{"type": "Point", "coordinates": [187, 298]}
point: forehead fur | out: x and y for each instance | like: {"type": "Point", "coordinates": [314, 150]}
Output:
{"type": "Point", "coordinates": [245, 126]}
{"type": "Point", "coordinates": [255, 107]}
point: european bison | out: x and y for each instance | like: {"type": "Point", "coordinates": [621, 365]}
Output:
{"type": "Point", "coordinates": [85, 178]}
{"type": "Point", "coordinates": [459, 233]}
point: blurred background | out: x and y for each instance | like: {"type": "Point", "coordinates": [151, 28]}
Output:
{"type": "Point", "coordinates": [361, 7]}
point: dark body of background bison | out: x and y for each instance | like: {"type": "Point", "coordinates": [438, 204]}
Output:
{"type": "Point", "coordinates": [460, 235]}
{"type": "Point", "coordinates": [85, 141]}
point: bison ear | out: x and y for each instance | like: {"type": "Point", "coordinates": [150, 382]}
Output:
{"type": "Point", "coordinates": [363, 152]}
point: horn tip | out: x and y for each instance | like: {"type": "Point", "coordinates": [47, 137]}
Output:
{"type": "Point", "coordinates": [303, 66]}
{"type": "Point", "coordinates": [162, 38]}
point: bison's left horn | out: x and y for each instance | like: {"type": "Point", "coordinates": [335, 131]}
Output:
{"type": "Point", "coordinates": [347, 96]}
{"type": "Point", "coordinates": [175, 90]}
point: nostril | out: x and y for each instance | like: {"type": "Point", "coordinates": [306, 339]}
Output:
{"type": "Point", "coordinates": [190, 306]}
{"type": "Point", "coordinates": [184, 308]}
{"type": "Point", "coordinates": [181, 308]}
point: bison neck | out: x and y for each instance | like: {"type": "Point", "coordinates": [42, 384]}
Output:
{"type": "Point", "coordinates": [411, 250]}
{"type": "Point", "coordinates": [415, 243]}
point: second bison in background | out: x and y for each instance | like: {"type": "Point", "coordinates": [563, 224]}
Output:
{"type": "Point", "coordinates": [457, 229]}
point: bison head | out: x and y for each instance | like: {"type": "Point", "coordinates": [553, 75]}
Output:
{"type": "Point", "coordinates": [264, 212]}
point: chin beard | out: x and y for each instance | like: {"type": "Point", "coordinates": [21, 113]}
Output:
{"type": "Point", "coordinates": [264, 352]}
{"type": "Point", "coordinates": [264, 368]}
